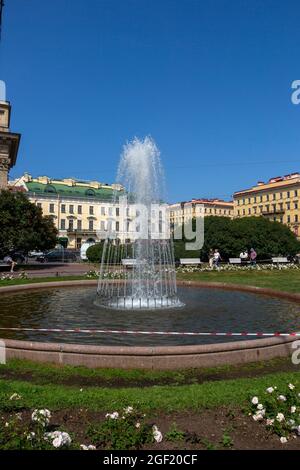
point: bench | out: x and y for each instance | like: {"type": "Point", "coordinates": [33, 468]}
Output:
{"type": "Point", "coordinates": [190, 261]}
{"type": "Point", "coordinates": [280, 260]}
{"type": "Point", "coordinates": [128, 263]}
{"type": "Point", "coordinates": [235, 261]}
{"type": "Point", "coordinates": [4, 266]}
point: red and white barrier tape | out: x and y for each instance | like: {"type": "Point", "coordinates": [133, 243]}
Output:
{"type": "Point", "coordinates": [140, 332]}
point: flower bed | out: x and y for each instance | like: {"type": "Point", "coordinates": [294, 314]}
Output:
{"type": "Point", "coordinates": [279, 411]}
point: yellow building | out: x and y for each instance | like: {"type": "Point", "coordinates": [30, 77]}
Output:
{"type": "Point", "coordinates": [278, 200]}
{"type": "Point", "coordinates": [181, 212]}
{"type": "Point", "coordinates": [80, 210]}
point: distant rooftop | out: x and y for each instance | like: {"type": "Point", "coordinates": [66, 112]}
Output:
{"type": "Point", "coordinates": [67, 187]}
{"type": "Point", "coordinates": [275, 181]}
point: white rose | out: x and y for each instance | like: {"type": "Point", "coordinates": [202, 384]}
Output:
{"type": "Point", "coordinates": [260, 406]}
{"type": "Point", "coordinates": [280, 417]}
{"type": "Point", "coordinates": [258, 417]}
{"type": "Point", "coordinates": [283, 440]}
{"type": "Point", "coordinates": [157, 434]}
{"type": "Point", "coordinates": [254, 401]}
{"type": "Point", "coordinates": [293, 409]}
{"type": "Point", "coordinates": [291, 386]}
{"type": "Point", "coordinates": [270, 422]}
{"type": "Point", "coordinates": [270, 390]}
{"type": "Point", "coordinates": [282, 398]}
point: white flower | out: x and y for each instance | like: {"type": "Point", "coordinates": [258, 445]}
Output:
{"type": "Point", "coordinates": [293, 409]}
{"type": "Point", "coordinates": [137, 425]}
{"type": "Point", "coordinates": [260, 406]}
{"type": "Point", "coordinates": [128, 410]}
{"type": "Point", "coordinates": [6, 425]}
{"type": "Point", "coordinates": [157, 434]}
{"type": "Point", "coordinates": [15, 396]}
{"type": "Point", "coordinates": [113, 415]}
{"type": "Point", "coordinates": [41, 416]}
{"type": "Point", "coordinates": [291, 386]}
{"type": "Point", "coordinates": [254, 401]}
{"type": "Point", "coordinates": [282, 398]}
{"type": "Point", "coordinates": [270, 389]}
{"type": "Point", "coordinates": [297, 429]}
{"type": "Point", "coordinates": [81, 390]}
{"type": "Point", "coordinates": [270, 422]}
{"type": "Point", "coordinates": [89, 447]}
{"type": "Point", "coordinates": [30, 436]}
{"type": "Point", "coordinates": [291, 422]}
{"type": "Point", "coordinates": [280, 417]}
{"type": "Point", "coordinates": [58, 438]}
{"type": "Point", "coordinates": [258, 416]}
{"type": "Point", "coordinates": [283, 440]}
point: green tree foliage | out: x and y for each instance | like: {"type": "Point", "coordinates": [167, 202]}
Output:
{"type": "Point", "coordinates": [113, 253]}
{"type": "Point", "coordinates": [22, 225]}
{"type": "Point", "coordinates": [231, 236]}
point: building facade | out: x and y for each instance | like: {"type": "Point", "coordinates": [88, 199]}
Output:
{"type": "Point", "coordinates": [81, 211]}
{"type": "Point", "coordinates": [9, 144]}
{"type": "Point", "coordinates": [182, 212]}
{"type": "Point", "coordinates": [278, 200]}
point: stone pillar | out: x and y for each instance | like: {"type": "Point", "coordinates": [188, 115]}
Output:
{"type": "Point", "coordinates": [9, 144]}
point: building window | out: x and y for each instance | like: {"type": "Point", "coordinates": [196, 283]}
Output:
{"type": "Point", "coordinates": [288, 194]}
{"type": "Point", "coordinates": [249, 211]}
{"type": "Point", "coordinates": [244, 212]}
{"type": "Point", "coordinates": [296, 205]}
{"type": "Point", "coordinates": [267, 197]}
{"type": "Point", "coordinates": [79, 224]}
{"type": "Point", "coordinates": [288, 206]}
{"type": "Point", "coordinates": [280, 195]}
{"type": "Point", "coordinates": [63, 224]}
{"type": "Point", "coordinates": [254, 199]}
{"type": "Point", "coordinates": [243, 201]}
{"type": "Point", "coordinates": [51, 208]}
{"type": "Point", "coordinates": [281, 219]}
{"type": "Point", "coordinates": [110, 211]}
{"type": "Point", "coordinates": [91, 225]}
{"type": "Point", "coordinates": [118, 212]}
{"type": "Point", "coordinates": [102, 210]}
{"type": "Point", "coordinates": [296, 192]}
{"type": "Point", "coordinates": [281, 206]}
{"type": "Point", "coordinates": [91, 210]}
{"type": "Point", "coordinates": [102, 225]}
{"type": "Point", "coordinates": [274, 196]}
{"type": "Point", "coordinates": [71, 209]}
{"type": "Point", "coordinates": [238, 212]}
{"type": "Point", "coordinates": [274, 207]}
{"type": "Point", "coordinates": [63, 208]}
{"type": "Point", "coordinates": [288, 219]}
{"type": "Point", "coordinates": [254, 210]}
{"type": "Point", "coordinates": [78, 243]}
{"type": "Point", "coordinates": [79, 209]}
{"type": "Point", "coordinates": [296, 218]}
{"type": "Point", "coordinates": [39, 204]}
{"type": "Point", "coordinates": [71, 224]}
{"type": "Point", "coordinates": [117, 226]}
{"type": "Point", "coordinates": [274, 218]}
{"type": "Point", "coordinates": [267, 208]}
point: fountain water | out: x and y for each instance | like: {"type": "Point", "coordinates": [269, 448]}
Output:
{"type": "Point", "coordinates": [137, 267]}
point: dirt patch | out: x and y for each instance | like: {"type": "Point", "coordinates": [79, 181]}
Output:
{"type": "Point", "coordinates": [217, 429]}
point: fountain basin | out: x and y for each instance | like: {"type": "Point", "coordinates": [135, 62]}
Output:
{"type": "Point", "coordinates": [156, 356]}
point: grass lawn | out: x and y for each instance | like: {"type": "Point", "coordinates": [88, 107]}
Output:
{"type": "Point", "coordinates": [285, 280]}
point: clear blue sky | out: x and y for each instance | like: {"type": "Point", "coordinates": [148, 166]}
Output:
{"type": "Point", "coordinates": [210, 81]}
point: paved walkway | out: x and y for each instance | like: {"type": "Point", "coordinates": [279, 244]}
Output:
{"type": "Point", "coordinates": [56, 269]}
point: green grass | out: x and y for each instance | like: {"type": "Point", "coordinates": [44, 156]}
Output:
{"type": "Point", "coordinates": [288, 281]}
{"type": "Point", "coordinates": [42, 373]}
{"type": "Point", "coordinates": [156, 398]}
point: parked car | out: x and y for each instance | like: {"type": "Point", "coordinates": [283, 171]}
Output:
{"type": "Point", "coordinates": [57, 255]}
{"type": "Point", "coordinates": [35, 254]}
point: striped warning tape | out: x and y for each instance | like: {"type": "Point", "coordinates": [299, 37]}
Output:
{"type": "Point", "coordinates": [141, 332]}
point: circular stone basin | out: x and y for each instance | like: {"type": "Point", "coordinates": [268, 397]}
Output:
{"type": "Point", "coordinates": [205, 310]}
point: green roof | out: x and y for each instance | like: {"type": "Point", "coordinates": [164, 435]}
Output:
{"type": "Point", "coordinates": [71, 191]}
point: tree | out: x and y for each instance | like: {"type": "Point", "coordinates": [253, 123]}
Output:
{"type": "Point", "coordinates": [231, 236]}
{"type": "Point", "coordinates": [22, 225]}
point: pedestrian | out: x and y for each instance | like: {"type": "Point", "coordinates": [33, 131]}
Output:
{"type": "Point", "coordinates": [211, 258]}
{"type": "Point", "coordinates": [253, 256]}
{"type": "Point", "coordinates": [8, 260]}
{"type": "Point", "coordinates": [216, 258]}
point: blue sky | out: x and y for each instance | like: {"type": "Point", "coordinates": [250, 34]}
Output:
{"type": "Point", "coordinates": [210, 81]}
